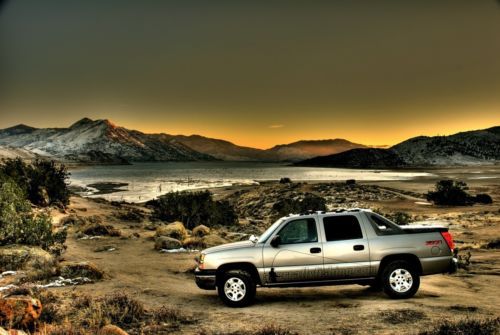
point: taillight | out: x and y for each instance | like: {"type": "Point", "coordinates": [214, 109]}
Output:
{"type": "Point", "coordinates": [449, 240]}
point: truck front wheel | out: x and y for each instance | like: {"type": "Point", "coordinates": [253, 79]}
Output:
{"type": "Point", "coordinates": [236, 288]}
{"type": "Point", "coordinates": [400, 280]}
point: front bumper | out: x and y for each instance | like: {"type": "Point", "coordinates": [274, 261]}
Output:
{"type": "Point", "coordinates": [205, 279]}
{"type": "Point", "coordinates": [453, 265]}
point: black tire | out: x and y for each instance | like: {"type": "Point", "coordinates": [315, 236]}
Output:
{"type": "Point", "coordinates": [400, 280]}
{"type": "Point", "coordinates": [243, 292]}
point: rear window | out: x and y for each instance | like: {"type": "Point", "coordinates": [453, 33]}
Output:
{"type": "Point", "coordinates": [342, 227]}
{"type": "Point", "coordinates": [382, 226]}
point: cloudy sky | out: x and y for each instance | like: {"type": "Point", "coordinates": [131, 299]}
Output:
{"type": "Point", "coordinates": [257, 73]}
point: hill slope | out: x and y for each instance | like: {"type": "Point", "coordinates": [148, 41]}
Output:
{"type": "Point", "coordinates": [466, 148]}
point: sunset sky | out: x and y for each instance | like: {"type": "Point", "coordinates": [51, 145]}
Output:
{"type": "Point", "coordinates": [257, 73]}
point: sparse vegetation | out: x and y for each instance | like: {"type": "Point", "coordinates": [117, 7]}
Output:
{"type": "Point", "coordinates": [309, 202]}
{"type": "Point", "coordinates": [193, 208]}
{"type": "Point", "coordinates": [402, 316]}
{"type": "Point", "coordinates": [466, 327]}
{"type": "Point", "coordinates": [285, 180]}
{"type": "Point", "coordinates": [483, 198]}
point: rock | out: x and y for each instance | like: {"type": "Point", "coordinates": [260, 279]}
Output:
{"type": "Point", "coordinates": [19, 311]}
{"type": "Point", "coordinates": [37, 262]}
{"type": "Point", "coordinates": [212, 240]}
{"type": "Point", "coordinates": [165, 242]}
{"type": "Point", "coordinates": [193, 242]}
{"type": "Point", "coordinates": [175, 230]}
{"type": "Point", "coordinates": [71, 270]}
{"type": "Point", "coordinates": [201, 230]}
{"type": "Point", "coordinates": [112, 330]}
{"type": "Point", "coordinates": [98, 229]}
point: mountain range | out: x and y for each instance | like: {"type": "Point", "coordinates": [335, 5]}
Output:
{"type": "Point", "coordinates": [100, 141]}
{"type": "Point", "coordinates": [465, 148]}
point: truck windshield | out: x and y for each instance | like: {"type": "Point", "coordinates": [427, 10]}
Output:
{"type": "Point", "coordinates": [263, 238]}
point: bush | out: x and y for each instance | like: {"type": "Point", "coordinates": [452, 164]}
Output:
{"type": "Point", "coordinates": [401, 218]}
{"type": "Point", "coordinates": [310, 202]}
{"type": "Point", "coordinates": [467, 326]}
{"type": "Point", "coordinates": [193, 208]}
{"type": "Point", "coordinates": [19, 225]}
{"type": "Point", "coordinates": [483, 198]}
{"type": "Point", "coordinates": [285, 180]}
{"type": "Point", "coordinates": [43, 182]}
{"type": "Point", "coordinates": [452, 193]}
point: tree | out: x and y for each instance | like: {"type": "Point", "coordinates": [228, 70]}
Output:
{"type": "Point", "coordinates": [450, 192]}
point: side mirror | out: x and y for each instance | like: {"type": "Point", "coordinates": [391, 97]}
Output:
{"type": "Point", "coordinates": [276, 241]}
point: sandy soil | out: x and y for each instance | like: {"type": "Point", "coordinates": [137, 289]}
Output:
{"type": "Point", "coordinates": [158, 279]}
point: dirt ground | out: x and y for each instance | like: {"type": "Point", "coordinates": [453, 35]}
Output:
{"type": "Point", "coordinates": [166, 279]}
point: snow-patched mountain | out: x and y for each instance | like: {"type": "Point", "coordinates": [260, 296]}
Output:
{"type": "Point", "coordinates": [98, 141]}
{"type": "Point", "coordinates": [466, 148]}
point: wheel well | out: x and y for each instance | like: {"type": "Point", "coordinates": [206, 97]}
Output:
{"type": "Point", "coordinates": [239, 266]}
{"type": "Point", "coordinates": [410, 258]}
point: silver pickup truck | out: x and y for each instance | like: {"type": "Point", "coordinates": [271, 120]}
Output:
{"type": "Point", "coordinates": [353, 246]}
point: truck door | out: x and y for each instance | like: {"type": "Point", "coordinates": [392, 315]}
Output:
{"type": "Point", "coordinates": [345, 248]}
{"type": "Point", "coordinates": [298, 256]}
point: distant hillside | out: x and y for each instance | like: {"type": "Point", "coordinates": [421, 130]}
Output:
{"type": "Point", "coordinates": [358, 158]}
{"type": "Point", "coordinates": [471, 147]}
{"type": "Point", "coordinates": [307, 149]}
{"type": "Point", "coordinates": [100, 141]}
{"type": "Point", "coordinates": [466, 148]}
{"type": "Point", "coordinates": [97, 141]}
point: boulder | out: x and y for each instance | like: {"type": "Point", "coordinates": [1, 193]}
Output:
{"type": "Point", "coordinates": [201, 230]}
{"type": "Point", "coordinates": [175, 230]}
{"type": "Point", "coordinates": [19, 311]}
{"type": "Point", "coordinates": [165, 242]}
{"type": "Point", "coordinates": [37, 262]}
{"type": "Point", "coordinates": [212, 240]}
{"type": "Point", "coordinates": [112, 330]}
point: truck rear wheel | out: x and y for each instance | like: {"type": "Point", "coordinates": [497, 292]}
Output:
{"type": "Point", "coordinates": [400, 280]}
{"type": "Point", "coordinates": [236, 288]}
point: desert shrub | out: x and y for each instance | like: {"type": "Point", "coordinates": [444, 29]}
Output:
{"type": "Point", "coordinates": [466, 326]}
{"type": "Point", "coordinates": [310, 202]}
{"type": "Point", "coordinates": [285, 180]}
{"type": "Point", "coordinates": [450, 192]}
{"type": "Point", "coordinates": [18, 223]}
{"type": "Point", "coordinates": [131, 215]}
{"type": "Point", "coordinates": [350, 182]}
{"type": "Point", "coordinates": [193, 208]}
{"type": "Point", "coordinates": [483, 198]}
{"type": "Point", "coordinates": [43, 182]}
{"type": "Point", "coordinates": [118, 309]}
{"type": "Point", "coordinates": [400, 218]}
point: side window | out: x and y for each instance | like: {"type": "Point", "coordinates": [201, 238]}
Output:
{"type": "Point", "coordinates": [382, 226]}
{"type": "Point", "coordinates": [299, 231]}
{"type": "Point", "coordinates": [342, 227]}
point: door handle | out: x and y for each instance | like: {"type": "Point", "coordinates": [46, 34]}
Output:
{"type": "Point", "coordinates": [315, 250]}
{"type": "Point", "coordinates": [359, 247]}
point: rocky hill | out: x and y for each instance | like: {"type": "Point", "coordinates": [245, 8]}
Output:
{"type": "Point", "coordinates": [97, 141]}
{"type": "Point", "coordinates": [465, 148]}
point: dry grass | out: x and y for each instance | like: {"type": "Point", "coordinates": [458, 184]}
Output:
{"type": "Point", "coordinates": [402, 316]}
{"type": "Point", "coordinates": [466, 327]}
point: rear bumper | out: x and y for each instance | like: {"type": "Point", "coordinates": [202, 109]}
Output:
{"type": "Point", "coordinates": [205, 279]}
{"type": "Point", "coordinates": [453, 265]}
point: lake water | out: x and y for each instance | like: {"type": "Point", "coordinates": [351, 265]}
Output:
{"type": "Point", "coordinates": [149, 180]}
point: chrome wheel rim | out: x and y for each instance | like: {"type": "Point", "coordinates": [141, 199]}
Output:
{"type": "Point", "coordinates": [235, 289]}
{"type": "Point", "coordinates": [401, 280]}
